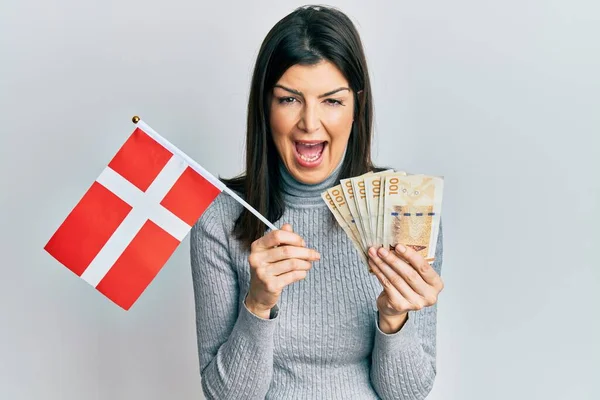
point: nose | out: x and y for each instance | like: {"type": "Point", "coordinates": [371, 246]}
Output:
{"type": "Point", "coordinates": [310, 120]}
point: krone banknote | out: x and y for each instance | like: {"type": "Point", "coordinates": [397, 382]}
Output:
{"type": "Point", "coordinates": [342, 222]}
{"type": "Point", "coordinates": [338, 198]}
{"type": "Point", "coordinates": [360, 197]}
{"type": "Point", "coordinates": [412, 209]}
{"type": "Point", "coordinates": [374, 191]}
{"type": "Point", "coordinates": [348, 191]}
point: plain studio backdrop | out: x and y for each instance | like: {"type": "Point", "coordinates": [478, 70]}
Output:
{"type": "Point", "coordinates": [502, 98]}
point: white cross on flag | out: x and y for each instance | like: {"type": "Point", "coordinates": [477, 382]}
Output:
{"type": "Point", "coordinates": [133, 217]}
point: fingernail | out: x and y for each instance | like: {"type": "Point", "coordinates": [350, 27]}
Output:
{"type": "Point", "coordinates": [318, 256]}
{"type": "Point", "coordinates": [373, 252]}
{"type": "Point", "coordinates": [383, 251]}
{"type": "Point", "coordinates": [303, 243]}
{"type": "Point", "coordinates": [400, 248]}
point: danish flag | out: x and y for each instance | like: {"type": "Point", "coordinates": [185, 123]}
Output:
{"type": "Point", "coordinates": [133, 216]}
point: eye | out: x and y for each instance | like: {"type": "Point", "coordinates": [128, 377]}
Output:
{"type": "Point", "coordinates": [416, 192]}
{"type": "Point", "coordinates": [404, 190]}
{"type": "Point", "coordinates": [286, 100]}
{"type": "Point", "coordinates": [334, 102]}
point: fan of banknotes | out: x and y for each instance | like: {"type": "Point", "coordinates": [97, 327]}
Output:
{"type": "Point", "coordinates": [389, 207]}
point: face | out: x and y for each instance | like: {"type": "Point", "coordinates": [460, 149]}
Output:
{"type": "Point", "coordinates": [311, 118]}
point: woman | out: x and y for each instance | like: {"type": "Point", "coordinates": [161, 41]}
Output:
{"type": "Point", "coordinates": [294, 313]}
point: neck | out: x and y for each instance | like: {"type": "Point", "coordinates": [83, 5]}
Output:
{"type": "Point", "coordinates": [296, 192]}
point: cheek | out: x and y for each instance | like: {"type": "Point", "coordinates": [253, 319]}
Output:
{"type": "Point", "coordinates": [281, 122]}
{"type": "Point", "coordinates": [339, 125]}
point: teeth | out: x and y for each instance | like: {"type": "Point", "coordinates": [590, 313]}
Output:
{"type": "Point", "coordinates": [310, 159]}
{"type": "Point", "coordinates": [309, 144]}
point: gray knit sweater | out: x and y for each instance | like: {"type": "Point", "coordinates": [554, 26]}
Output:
{"type": "Point", "coordinates": [322, 340]}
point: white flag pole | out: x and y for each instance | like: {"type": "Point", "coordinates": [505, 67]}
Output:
{"type": "Point", "coordinates": [198, 168]}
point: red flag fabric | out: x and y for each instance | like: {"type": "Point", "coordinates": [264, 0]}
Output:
{"type": "Point", "coordinates": [133, 216]}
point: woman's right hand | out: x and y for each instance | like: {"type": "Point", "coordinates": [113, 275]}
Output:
{"type": "Point", "coordinates": [277, 259]}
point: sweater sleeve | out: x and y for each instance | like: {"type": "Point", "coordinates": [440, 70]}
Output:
{"type": "Point", "coordinates": [235, 348]}
{"type": "Point", "coordinates": [404, 363]}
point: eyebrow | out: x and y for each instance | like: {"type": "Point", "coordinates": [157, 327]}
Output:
{"type": "Point", "coordinates": [320, 96]}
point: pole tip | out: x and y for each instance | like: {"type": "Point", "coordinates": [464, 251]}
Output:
{"type": "Point", "coordinates": [135, 119]}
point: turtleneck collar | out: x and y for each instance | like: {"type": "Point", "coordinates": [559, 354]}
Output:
{"type": "Point", "coordinates": [299, 193]}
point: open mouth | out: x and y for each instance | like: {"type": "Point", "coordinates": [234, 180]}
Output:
{"type": "Point", "coordinates": [309, 153]}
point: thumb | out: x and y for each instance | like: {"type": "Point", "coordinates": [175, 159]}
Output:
{"type": "Point", "coordinates": [287, 227]}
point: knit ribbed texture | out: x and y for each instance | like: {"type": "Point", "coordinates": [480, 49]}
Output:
{"type": "Point", "coordinates": [324, 342]}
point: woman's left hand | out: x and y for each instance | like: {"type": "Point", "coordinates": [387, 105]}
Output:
{"type": "Point", "coordinates": [409, 282]}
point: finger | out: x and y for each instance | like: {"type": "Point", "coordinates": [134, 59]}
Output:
{"type": "Point", "coordinates": [393, 294]}
{"type": "Point", "coordinates": [290, 277]}
{"type": "Point", "coordinates": [397, 281]}
{"type": "Point", "coordinates": [420, 264]}
{"type": "Point", "coordinates": [285, 266]}
{"type": "Point", "coordinates": [286, 252]}
{"type": "Point", "coordinates": [408, 273]}
{"type": "Point", "coordinates": [278, 238]}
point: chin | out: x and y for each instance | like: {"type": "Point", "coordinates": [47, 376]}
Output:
{"type": "Point", "coordinates": [310, 176]}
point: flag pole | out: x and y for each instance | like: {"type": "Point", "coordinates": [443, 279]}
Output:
{"type": "Point", "coordinates": [207, 175]}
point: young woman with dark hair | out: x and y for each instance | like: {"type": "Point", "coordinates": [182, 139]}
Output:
{"type": "Point", "coordinates": [294, 313]}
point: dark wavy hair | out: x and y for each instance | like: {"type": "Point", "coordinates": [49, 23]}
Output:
{"type": "Point", "coordinates": [307, 36]}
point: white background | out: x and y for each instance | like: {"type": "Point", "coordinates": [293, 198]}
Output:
{"type": "Point", "coordinates": [502, 98]}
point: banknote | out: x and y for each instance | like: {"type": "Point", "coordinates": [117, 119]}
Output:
{"type": "Point", "coordinates": [412, 210]}
{"type": "Point", "coordinates": [337, 196]}
{"type": "Point", "coordinates": [374, 192]}
{"type": "Point", "coordinates": [344, 225]}
{"type": "Point", "coordinates": [360, 198]}
{"type": "Point", "coordinates": [348, 192]}
{"type": "Point", "coordinates": [388, 207]}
